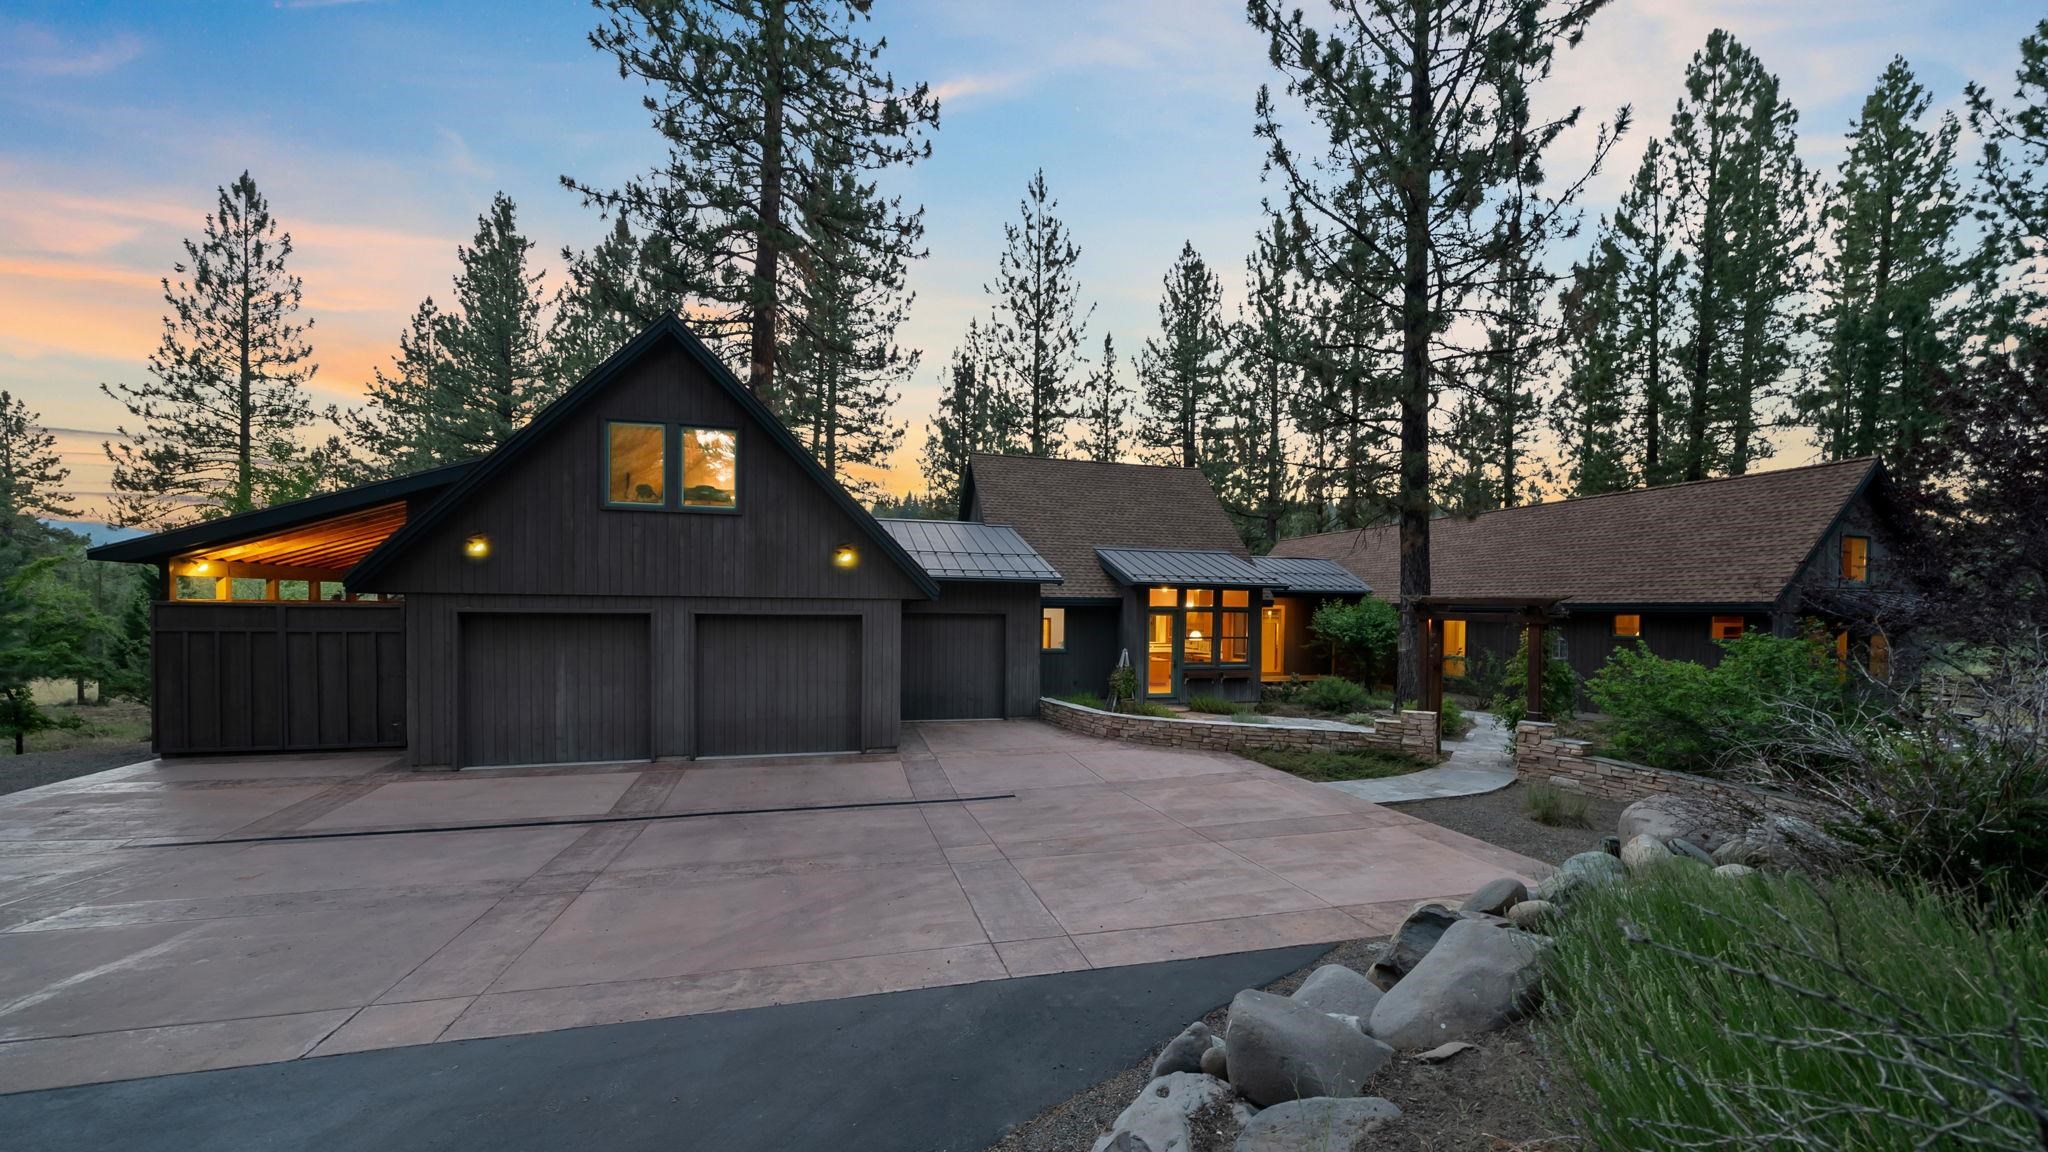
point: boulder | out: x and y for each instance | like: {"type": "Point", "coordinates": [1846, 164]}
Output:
{"type": "Point", "coordinates": [1669, 817]}
{"type": "Point", "coordinates": [1279, 1050]}
{"type": "Point", "coordinates": [1215, 1063]}
{"type": "Point", "coordinates": [1183, 1053]}
{"type": "Point", "coordinates": [1643, 851]}
{"type": "Point", "coordinates": [1336, 989]}
{"type": "Point", "coordinates": [1680, 846]}
{"type": "Point", "coordinates": [1319, 1125]}
{"type": "Point", "coordinates": [1734, 871]}
{"type": "Point", "coordinates": [1496, 896]}
{"type": "Point", "coordinates": [1530, 915]}
{"type": "Point", "coordinates": [1475, 980]}
{"type": "Point", "coordinates": [1586, 868]}
{"type": "Point", "coordinates": [1157, 1121]}
{"type": "Point", "coordinates": [1411, 942]}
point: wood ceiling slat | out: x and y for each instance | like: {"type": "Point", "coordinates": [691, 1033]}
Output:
{"type": "Point", "coordinates": [334, 544]}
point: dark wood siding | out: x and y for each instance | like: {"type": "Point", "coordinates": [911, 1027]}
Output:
{"type": "Point", "coordinates": [566, 688]}
{"type": "Point", "coordinates": [1094, 639]}
{"type": "Point", "coordinates": [1589, 639]}
{"type": "Point", "coordinates": [952, 667]}
{"type": "Point", "coordinates": [1018, 606]}
{"type": "Point", "coordinates": [770, 684]}
{"type": "Point", "coordinates": [278, 677]}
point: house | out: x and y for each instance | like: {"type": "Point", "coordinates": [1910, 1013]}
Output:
{"type": "Point", "coordinates": [654, 567]}
{"type": "Point", "coordinates": [1677, 567]}
{"type": "Point", "coordinates": [1154, 568]}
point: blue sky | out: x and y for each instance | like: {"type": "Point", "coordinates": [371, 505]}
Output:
{"type": "Point", "coordinates": [380, 128]}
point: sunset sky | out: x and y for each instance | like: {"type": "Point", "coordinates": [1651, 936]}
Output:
{"type": "Point", "coordinates": [379, 129]}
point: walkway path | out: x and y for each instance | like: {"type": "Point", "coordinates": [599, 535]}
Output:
{"type": "Point", "coordinates": [1478, 763]}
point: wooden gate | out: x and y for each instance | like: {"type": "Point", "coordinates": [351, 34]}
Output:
{"type": "Point", "coordinates": [290, 677]}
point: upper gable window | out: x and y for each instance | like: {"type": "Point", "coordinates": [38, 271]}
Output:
{"type": "Point", "coordinates": [1855, 559]}
{"type": "Point", "coordinates": [711, 464]}
{"type": "Point", "coordinates": [636, 464]}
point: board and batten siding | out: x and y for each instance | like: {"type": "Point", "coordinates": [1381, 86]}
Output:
{"type": "Point", "coordinates": [1094, 640]}
{"type": "Point", "coordinates": [434, 648]}
{"type": "Point", "coordinates": [277, 677]}
{"type": "Point", "coordinates": [771, 684]}
{"type": "Point", "coordinates": [563, 688]}
{"type": "Point", "coordinates": [1018, 606]}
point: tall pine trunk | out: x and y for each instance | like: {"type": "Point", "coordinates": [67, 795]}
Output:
{"type": "Point", "coordinates": [761, 370]}
{"type": "Point", "coordinates": [1414, 496]}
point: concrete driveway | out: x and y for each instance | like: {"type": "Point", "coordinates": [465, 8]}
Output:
{"type": "Point", "coordinates": [123, 957]}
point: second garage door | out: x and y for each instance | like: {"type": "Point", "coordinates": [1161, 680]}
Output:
{"type": "Point", "coordinates": [777, 684]}
{"type": "Point", "coordinates": [554, 689]}
{"type": "Point", "coordinates": [952, 667]}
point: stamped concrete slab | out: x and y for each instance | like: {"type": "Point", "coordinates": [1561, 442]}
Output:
{"type": "Point", "coordinates": [118, 960]}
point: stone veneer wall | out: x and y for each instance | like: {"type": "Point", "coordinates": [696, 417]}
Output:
{"type": "Point", "coordinates": [1412, 732]}
{"type": "Point", "coordinates": [1541, 754]}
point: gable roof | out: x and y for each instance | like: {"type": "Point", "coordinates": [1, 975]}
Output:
{"type": "Point", "coordinates": [1736, 541]}
{"type": "Point", "coordinates": [365, 501]}
{"type": "Point", "coordinates": [1067, 509]}
{"type": "Point", "coordinates": [1311, 574]}
{"type": "Point", "coordinates": [668, 327]}
{"type": "Point", "coordinates": [965, 550]}
{"type": "Point", "coordinates": [1182, 567]}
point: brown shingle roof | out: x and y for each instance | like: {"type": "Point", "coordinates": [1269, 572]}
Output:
{"type": "Point", "coordinates": [1067, 509]}
{"type": "Point", "coordinates": [1733, 541]}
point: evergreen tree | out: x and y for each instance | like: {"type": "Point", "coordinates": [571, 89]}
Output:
{"type": "Point", "coordinates": [2013, 195]}
{"type": "Point", "coordinates": [748, 98]}
{"type": "Point", "coordinates": [1424, 112]}
{"type": "Point", "coordinates": [218, 423]}
{"type": "Point", "coordinates": [604, 301]}
{"type": "Point", "coordinates": [1105, 404]}
{"type": "Point", "coordinates": [1180, 374]}
{"type": "Point", "coordinates": [1590, 414]}
{"type": "Point", "coordinates": [1267, 347]}
{"type": "Point", "coordinates": [1490, 433]}
{"type": "Point", "coordinates": [1036, 335]}
{"type": "Point", "coordinates": [30, 471]}
{"type": "Point", "coordinates": [1893, 213]}
{"type": "Point", "coordinates": [1743, 197]}
{"type": "Point", "coordinates": [1649, 263]}
{"type": "Point", "coordinates": [976, 414]}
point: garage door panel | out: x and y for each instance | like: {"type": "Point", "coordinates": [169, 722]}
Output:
{"type": "Point", "coordinates": [952, 666]}
{"type": "Point", "coordinates": [777, 684]}
{"type": "Point", "coordinates": [554, 689]}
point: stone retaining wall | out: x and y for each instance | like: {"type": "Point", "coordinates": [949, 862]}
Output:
{"type": "Point", "coordinates": [1541, 754]}
{"type": "Point", "coordinates": [1412, 732]}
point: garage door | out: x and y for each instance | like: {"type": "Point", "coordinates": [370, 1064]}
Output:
{"type": "Point", "coordinates": [952, 667]}
{"type": "Point", "coordinates": [774, 684]}
{"type": "Point", "coordinates": [554, 689]}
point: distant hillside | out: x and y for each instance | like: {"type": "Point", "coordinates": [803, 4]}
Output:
{"type": "Point", "coordinates": [96, 533]}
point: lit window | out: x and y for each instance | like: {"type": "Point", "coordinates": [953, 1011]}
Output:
{"type": "Point", "coordinates": [711, 458]}
{"type": "Point", "coordinates": [1198, 638]}
{"type": "Point", "coordinates": [1628, 624]}
{"type": "Point", "coordinates": [1052, 629]}
{"type": "Point", "coordinates": [1855, 559]}
{"type": "Point", "coordinates": [1727, 628]}
{"type": "Point", "coordinates": [1234, 644]}
{"type": "Point", "coordinates": [1163, 598]}
{"type": "Point", "coordinates": [1201, 597]}
{"type": "Point", "coordinates": [636, 464]}
{"type": "Point", "coordinates": [1236, 598]}
{"type": "Point", "coordinates": [1454, 648]}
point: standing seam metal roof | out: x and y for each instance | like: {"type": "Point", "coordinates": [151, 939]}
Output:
{"type": "Point", "coordinates": [966, 550]}
{"type": "Point", "coordinates": [1183, 567]}
{"type": "Point", "coordinates": [1312, 574]}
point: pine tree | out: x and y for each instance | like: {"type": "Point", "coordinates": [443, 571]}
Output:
{"type": "Point", "coordinates": [1893, 214]}
{"type": "Point", "coordinates": [1490, 433]}
{"type": "Point", "coordinates": [1424, 111]}
{"type": "Point", "coordinates": [31, 472]}
{"type": "Point", "coordinates": [219, 421]}
{"type": "Point", "coordinates": [1039, 327]}
{"type": "Point", "coordinates": [1590, 414]}
{"type": "Point", "coordinates": [1180, 374]}
{"type": "Point", "coordinates": [976, 414]}
{"type": "Point", "coordinates": [748, 98]}
{"type": "Point", "coordinates": [1743, 195]}
{"type": "Point", "coordinates": [1267, 347]}
{"type": "Point", "coordinates": [844, 360]}
{"type": "Point", "coordinates": [604, 301]}
{"type": "Point", "coordinates": [1105, 404]}
{"type": "Point", "coordinates": [1649, 263]}
{"type": "Point", "coordinates": [2013, 196]}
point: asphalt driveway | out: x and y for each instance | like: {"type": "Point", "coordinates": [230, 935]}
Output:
{"type": "Point", "coordinates": [394, 921]}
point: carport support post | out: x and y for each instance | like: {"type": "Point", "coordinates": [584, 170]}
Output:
{"type": "Point", "coordinates": [1535, 670]}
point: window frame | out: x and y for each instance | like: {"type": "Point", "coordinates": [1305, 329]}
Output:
{"type": "Point", "coordinates": [682, 467]}
{"type": "Point", "coordinates": [668, 470]}
{"type": "Point", "coordinates": [1862, 575]}
{"type": "Point", "coordinates": [1614, 628]}
{"type": "Point", "coordinates": [1224, 635]}
{"type": "Point", "coordinates": [1456, 664]}
{"type": "Point", "coordinates": [1045, 619]}
{"type": "Point", "coordinates": [1714, 627]}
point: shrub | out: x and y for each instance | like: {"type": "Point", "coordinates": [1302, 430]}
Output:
{"type": "Point", "coordinates": [1768, 1013]}
{"type": "Point", "coordinates": [1335, 694]}
{"type": "Point", "coordinates": [1123, 683]}
{"type": "Point", "coordinates": [1084, 699]}
{"type": "Point", "coordinates": [1558, 807]}
{"type": "Point", "coordinates": [1148, 708]}
{"type": "Point", "coordinates": [1560, 688]}
{"type": "Point", "coordinates": [1370, 764]}
{"type": "Point", "coordinates": [1214, 705]}
{"type": "Point", "coordinates": [1482, 678]}
{"type": "Point", "coordinates": [1363, 633]}
{"type": "Point", "coordinates": [1685, 716]}
{"type": "Point", "coordinates": [1450, 719]}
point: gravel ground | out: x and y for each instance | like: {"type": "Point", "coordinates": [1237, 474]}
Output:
{"type": "Point", "coordinates": [37, 768]}
{"type": "Point", "coordinates": [1498, 818]}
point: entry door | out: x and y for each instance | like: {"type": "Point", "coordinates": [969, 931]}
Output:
{"type": "Point", "coordinates": [1273, 641]}
{"type": "Point", "coordinates": [1160, 629]}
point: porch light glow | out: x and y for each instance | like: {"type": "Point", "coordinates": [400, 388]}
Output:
{"type": "Point", "coordinates": [202, 568]}
{"type": "Point", "coordinates": [845, 556]}
{"type": "Point", "coordinates": [477, 547]}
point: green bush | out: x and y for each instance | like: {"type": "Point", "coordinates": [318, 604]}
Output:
{"type": "Point", "coordinates": [1084, 699]}
{"type": "Point", "coordinates": [1123, 683]}
{"type": "Point", "coordinates": [1334, 694]}
{"type": "Point", "coordinates": [1482, 678]}
{"type": "Point", "coordinates": [1363, 633]}
{"type": "Point", "coordinates": [1697, 1012]}
{"type": "Point", "coordinates": [1450, 719]}
{"type": "Point", "coordinates": [1370, 764]}
{"type": "Point", "coordinates": [1560, 688]}
{"type": "Point", "coordinates": [1547, 803]}
{"type": "Point", "coordinates": [1214, 705]}
{"type": "Point", "coordinates": [1681, 715]}
{"type": "Point", "coordinates": [1148, 708]}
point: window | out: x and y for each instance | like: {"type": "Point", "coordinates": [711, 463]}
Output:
{"type": "Point", "coordinates": [1726, 628]}
{"type": "Point", "coordinates": [1628, 624]}
{"type": "Point", "coordinates": [1198, 638]}
{"type": "Point", "coordinates": [1163, 598]}
{"type": "Point", "coordinates": [1454, 648]}
{"type": "Point", "coordinates": [1201, 598]}
{"type": "Point", "coordinates": [1855, 559]}
{"type": "Point", "coordinates": [1234, 643]}
{"type": "Point", "coordinates": [636, 464]}
{"type": "Point", "coordinates": [711, 468]}
{"type": "Point", "coordinates": [1052, 629]}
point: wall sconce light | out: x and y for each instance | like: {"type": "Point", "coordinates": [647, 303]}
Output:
{"type": "Point", "coordinates": [477, 547]}
{"type": "Point", "coordinates": [202, 568]}
{"type": "Point", "coordinates": [845, 556]}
